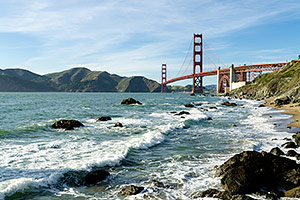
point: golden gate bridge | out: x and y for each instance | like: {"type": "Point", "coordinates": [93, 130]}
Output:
{"type": "Point", "coordinates": [228, 78]}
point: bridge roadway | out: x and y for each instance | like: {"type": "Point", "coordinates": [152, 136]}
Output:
{"type": "Point", "coordinates": [238, 69]}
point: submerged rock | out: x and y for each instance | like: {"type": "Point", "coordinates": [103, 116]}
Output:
{"type": "Point", "coordinates": [131, 190]}
{"type": "Point", "coordinates": [130, 101]}
{"type": "Point", "coordinates": [67, 124]}
{"type": "Point", "coordinates": [103, 118]}
{"type": "Point", "coordinates": [213, 107]}
{"type": "Point", "coordinates": [226, 103]}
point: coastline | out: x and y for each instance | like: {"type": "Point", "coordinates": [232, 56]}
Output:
{"type": "Point", "coordinates": [292, 109]}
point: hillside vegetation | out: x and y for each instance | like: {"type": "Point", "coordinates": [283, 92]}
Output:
{"type": "Point", "coordinates": [73, 80]}
{"type": "Point", "coordinates": [283, 86]}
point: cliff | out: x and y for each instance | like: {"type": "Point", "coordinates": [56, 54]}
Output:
{"type": "Point", "coordinates": [282, 87]}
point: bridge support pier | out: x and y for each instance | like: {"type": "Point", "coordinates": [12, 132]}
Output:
{"type": "Point", "coordinates": [218, 80]}
{"type": "Point", "coordinates": [232, 76]}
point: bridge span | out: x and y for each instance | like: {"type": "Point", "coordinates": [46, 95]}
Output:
{"type": "Point", "coordinates": [227, 78]}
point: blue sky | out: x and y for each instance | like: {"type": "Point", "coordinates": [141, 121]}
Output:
{"type": "Point", "coordinates": [135, 37]}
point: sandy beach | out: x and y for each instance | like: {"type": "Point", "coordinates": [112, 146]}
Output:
{"type": "Point", "coordinates": [291, 109]}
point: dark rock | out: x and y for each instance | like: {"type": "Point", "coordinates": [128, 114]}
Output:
{"type": "Point", "coordinates": [198, 104]}
{"type": "Point", "coordinates": [183, 113]}
{"type": "Point", "coordinates": [130, 101]}
{"type": "Point", "coordinates": [291, 153]}
{"type": "Point", "coordinates": [192, 94]}
{"type": "Point", "coordinates": [213, 107]}
{"type": "Point", "coordinates": [234, 125]}
{"type": "Point", "coordinates": [282, 101]}
{"type": "Point", "coordinates": [131, 190]}
{"type": "Point", "coordinates": [209, 118]}
{"type": "Point", "coordinates": [226, 103]}
{"type": "Point", "coordinates": [182, 117]}
{"type": "Point", "coordinates": [293, 193]}
{"type": "Point", "coordinates": [215, 194]}
{"type": "Point", "coordinates": [261, 105]}
{"type": "Point", "coordinates": [118, 124]}
{"type": "Point", "coordinates": [249, 171]}
{"type": "Point", "coordinates": [296, 138]}
{"type": "Point", "coordinates": [173, 112]}
{"type": "Point", "coordinates": [67, 124]}
{"type": "Point", "coordinates": [156, 183]}
{"type": "Point", "coordinates": [276, 151]}
{"type": "Point", "coordinates": [189, 105]}
{"type": "Point", "coordinates": [289, 145]}
{"type": "Point", "coordinates": [103, 118]}
{"type": "Point", "coordinates": [94, 177]}
{"type": "Point", "coordinates": [288, 127]}
{"type": "Point", "coordinates": [80, 178]}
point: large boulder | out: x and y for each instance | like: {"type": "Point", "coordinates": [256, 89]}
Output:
{"type": "Point", "coordinates": [131, 190]}
{"type": "Point", "coordinates": [118, 124]}
{"type": "Point", "coordinates": [67, 124]}
{"type": "Point", "coordinates": [183, 113]}
{"type": "Point", "coordinates": [250, 171]}
{"type": "Point", "coordinates": [130, 101]}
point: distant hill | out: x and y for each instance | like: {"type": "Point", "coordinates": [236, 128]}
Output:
{"type": "Point", "coordinates": [73, 80]}
{"type": "Point", "coordinates": [189, 88]}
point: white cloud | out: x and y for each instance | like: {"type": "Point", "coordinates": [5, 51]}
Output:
{"type": "Point", "coordinates": [137, 35]}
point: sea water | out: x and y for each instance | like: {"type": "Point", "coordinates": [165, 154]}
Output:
{"type": "Point", "coordinates": [180, 151]}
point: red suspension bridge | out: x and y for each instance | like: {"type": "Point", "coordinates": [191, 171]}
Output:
{"type": "Point", "coordinates": [228, 78]}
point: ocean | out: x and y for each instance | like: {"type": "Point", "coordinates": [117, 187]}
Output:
{"type": "Point", "coordinates": [179, 151]}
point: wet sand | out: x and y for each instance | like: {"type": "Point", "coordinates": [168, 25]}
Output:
{"type": "Point", "coordinates": [291, 109]}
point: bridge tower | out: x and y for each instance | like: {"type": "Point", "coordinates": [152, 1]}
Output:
{"type": "Point", "coordinates": [163, 78]}
{"type": "Point", "coordinates": [197, 63]}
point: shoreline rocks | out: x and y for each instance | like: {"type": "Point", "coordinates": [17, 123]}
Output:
{"type": "Point", "coordinates": [227, 103]}
{"type": "Point", "coordinates": [250, 171]}
{"type": "Point", "coordinates": [131, 190]}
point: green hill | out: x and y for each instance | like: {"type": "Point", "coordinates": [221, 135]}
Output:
{"type": "Point", "coordinates": [73, 80]}
{"type": "Point", "coordinates": [283, 85]}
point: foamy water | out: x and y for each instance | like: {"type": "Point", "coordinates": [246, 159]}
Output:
{"type": "Point", "coordinates": [180, 151]}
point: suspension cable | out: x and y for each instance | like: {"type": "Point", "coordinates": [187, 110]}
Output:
{"type": "Point", "coordinates": [187, 53]}
{"type": "Point", "coordinates": [214, 52]}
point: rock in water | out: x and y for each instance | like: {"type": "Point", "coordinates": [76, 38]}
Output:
{"type": "Point", "coordinates": [183, 113]}
{"type": "Point", "coordinates": [130, 101]}
{"type": "Point", "coordinates": [103, 118]}
{"type": "Point", "coordinates": [67, 124]}
{"type": "Point", "coordinates": [289, 145]}
{"type": "Point", "coordinates": [189, 105]}
{"type": "Point", "coordinates": [131, 190]}
{"type": "Point", "coordinates": [95, 177]}
{"type": "Point", "coordinates": [226, 103]}
{"type": "Point", "coordinates": [118, 124]}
